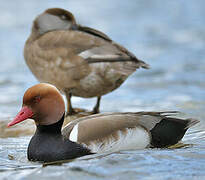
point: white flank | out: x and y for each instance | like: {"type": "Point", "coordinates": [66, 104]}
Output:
{"type": "Point", "coordinates": [74, 134]}
{"type": "Point", "coordinates": [136, 138]}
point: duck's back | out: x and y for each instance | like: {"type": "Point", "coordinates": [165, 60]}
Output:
{"type": "Point", "coordinates": [127, 130]}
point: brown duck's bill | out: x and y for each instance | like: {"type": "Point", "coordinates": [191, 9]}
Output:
{"type": "Point", "coordinates": [24, 114]}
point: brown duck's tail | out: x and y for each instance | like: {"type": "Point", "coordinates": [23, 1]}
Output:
{"type": "Point", "coordinates": [143, 64]}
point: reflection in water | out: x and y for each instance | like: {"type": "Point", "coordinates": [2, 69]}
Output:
{"type": "Point", "coordinates": [169, 35]}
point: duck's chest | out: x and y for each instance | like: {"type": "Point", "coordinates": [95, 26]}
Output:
{"type": "Point", "coordinates": [44, 148]}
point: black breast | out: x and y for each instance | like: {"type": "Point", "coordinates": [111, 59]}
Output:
{"type": "Point", "coordinates": [48, 145]}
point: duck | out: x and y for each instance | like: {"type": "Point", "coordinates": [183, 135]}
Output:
{"type": "Point", "coordinates": [98, 133]}
{"type": "Point", "coordinates": [80, 61]}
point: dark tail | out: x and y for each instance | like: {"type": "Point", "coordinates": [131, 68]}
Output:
{"type": "Point", "coordinates": [170, 131]}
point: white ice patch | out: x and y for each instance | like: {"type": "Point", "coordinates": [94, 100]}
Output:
{"type": "Point", "coordinates": [74, 134]}
{"type": "Point", "coordinates": [135, 138]}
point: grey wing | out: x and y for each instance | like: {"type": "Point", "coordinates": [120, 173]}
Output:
{"type": "Point", "coordinates": [111, 52]}
{"type": "Point", "coordinates": [94, 32]}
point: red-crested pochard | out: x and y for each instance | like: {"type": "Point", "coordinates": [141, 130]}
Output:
{"type": "Point", "coordinates": [92, 134]}
{"type": "Point", "coordinates": [78, 60]}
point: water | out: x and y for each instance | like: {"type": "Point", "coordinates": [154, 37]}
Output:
{"type": "Point", "coordinates": [169, 35]}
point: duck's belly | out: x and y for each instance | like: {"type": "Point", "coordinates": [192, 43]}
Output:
{"type": "Point", "coordinates": [90, 86]}
{"type": "Point", "coordinates": [96, 85]}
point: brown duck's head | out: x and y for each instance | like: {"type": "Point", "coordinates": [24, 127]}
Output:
{"type": "Point", "coordinates": [43, 103]}
{"type": "Point", "coordinates": [54, 19]}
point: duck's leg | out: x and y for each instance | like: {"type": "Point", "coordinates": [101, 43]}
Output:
{"type": "Point", "coordinates": [70, 110]}
{"type": "Point", "coordinates": [97, 106]}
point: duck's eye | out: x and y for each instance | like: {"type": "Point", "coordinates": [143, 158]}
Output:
{"type": "Point", "coordinates": [63, 17]}
{"type": "Point", "coordinates": [37, 99]}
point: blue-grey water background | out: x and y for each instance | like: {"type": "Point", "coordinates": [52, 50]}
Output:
{"type": "Point", "coordinates": [169, 35]}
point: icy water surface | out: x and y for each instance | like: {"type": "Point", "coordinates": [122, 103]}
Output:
{"type": "Point", "coordinates": [169, 35]}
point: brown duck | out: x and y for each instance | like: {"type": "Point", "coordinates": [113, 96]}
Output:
{"type": "Point", "coordinates": [78, 60]}
{"type": "Point", "coordinates": [109, 132]}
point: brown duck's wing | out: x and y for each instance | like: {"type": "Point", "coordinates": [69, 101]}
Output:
{"type": "Point", "coordinates": [78, 43]}
{"type": "Point", "coordinates": [117, 60]}
{"type": "Point", "coordinates": [98, 47]}
{"type": "Point", "coordinates": [77, 48]}
{"type": "Point", "coordinates": [160, 125]}
{"type": "Point", "coordinates": [101, 126]}
{"type": "Point", "coordinates": [94, 32]}
{"type": "Point", "coordinates": [131, 57]}
{"type": "Point", "coordinates": [72, 41]}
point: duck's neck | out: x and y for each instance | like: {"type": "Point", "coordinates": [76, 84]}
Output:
{"type": "Point", "coordinates": [53, 128]}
